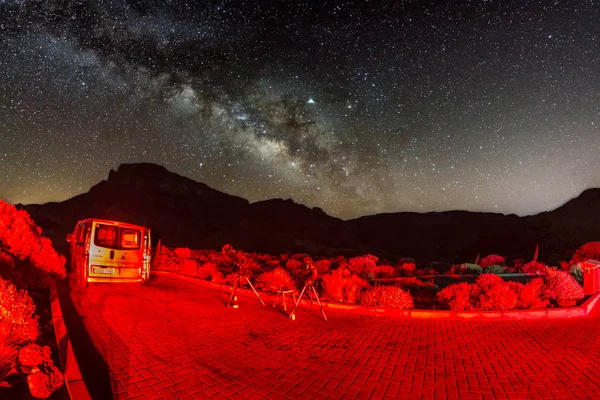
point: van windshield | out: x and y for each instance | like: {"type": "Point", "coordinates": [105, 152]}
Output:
{"type": "Point", "coordinates": [113, 237]}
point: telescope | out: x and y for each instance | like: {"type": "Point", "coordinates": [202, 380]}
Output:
{"type": "Point", "coordinates": [239, 261]}
{"type": "Point", "coordinates": [309, 284]}
{"type": "Point", "coordinates": [311, 269]}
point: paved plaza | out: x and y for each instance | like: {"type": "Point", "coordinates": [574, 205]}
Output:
{"type": "Point", "coordinates": [173, 339]}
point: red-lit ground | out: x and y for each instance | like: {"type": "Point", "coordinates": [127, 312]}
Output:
{"type": "Point", "coordinates": [174, 339]}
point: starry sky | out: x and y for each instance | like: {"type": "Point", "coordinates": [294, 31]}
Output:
{"type": "Point", "coordinates": [357, 107]}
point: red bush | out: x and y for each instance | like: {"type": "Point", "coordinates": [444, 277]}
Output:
{"type": "Point", "coordinates": [588, 251]}
{"type": "Point", "coordinates": [500, 296]}
{"type": "Point", "coordinates": [22, 239]}
{"type": "Point", "coordinates": [363, 265]}
{"type": "Point", "coordinates": [278, 279]}
{"type": "Point", "coordinates": [209, 270]}
{"type": "Point", "coordinates": [323, 266]}
{"type": "Point", "coordinates": [342, 286]}
{"type": "Point", "coordinates": [408, 268]}
{"type": "Point", "coordinates": [562, 287]}
{"type": "Point", "coordinates": [531, 295]}
{"type": "Point", "coordinates": [18, 324]}
{"type": "Point", "coordinates": [387, 297]}
{"type": "Point", "coordinates": [384, 271]}
{"type": "Point", "coordinates": [456, 297]}
{"type": "Point", "coordinates": [533, 267]}
{"type": "Point", "coordinates": [183, 252]}
{"type": "Point", "coordinates": [491, 259]}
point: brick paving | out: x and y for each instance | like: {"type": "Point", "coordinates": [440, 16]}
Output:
{"type": "Point", "coordinates": [172, 339]}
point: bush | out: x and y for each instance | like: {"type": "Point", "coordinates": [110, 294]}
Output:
{"type": "Point", "coordinates": [495, 269]}
{"type": "Point", "coordinates": [533, 267]}
{"type": "Point", "coordinates": [562, 287]}
{"type": "Point", "coordinates": [342, 286]}
{"type": "Point", "coordinates": [588, 251]}
{"type": "Point", "coordinates": [472, 268]}
{"type": "Point", "coordinates": [189, 266]}
{"type": "Point", "coordinates": [363, 266]}
{"type": "Point", "coordinates": [531, 295]}
{"type": "Point", "coordinates": [500, 296]}
{"type": "Point", "coordinates": [456, 297]}
{"type": "Point", "coordinates": [408, 268]}
{"type": "Point", "coordinates": [278, 279]}
{"type": "Point", "coordinates": [492, 259]}
{"type": "Point", "coordinates": [387, 297]}
{"type": "Point", "coordinates": [577, 272]}
{"type": "Point", "coordinates": [209, 270]}
{"type": "Point", "coordinates": [384, 271]}
{"type": "Point", "coordinates": [29, 258]}
{"type": "Point", "coordinates": [323, 266]}
{"type": "Point", "coordinates": [183, 252]}
{"type": "Point", "coordinates": [18, 324]}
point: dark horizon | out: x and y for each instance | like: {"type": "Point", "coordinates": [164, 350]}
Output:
{"type": "Point", "coordinates": [316, 206]}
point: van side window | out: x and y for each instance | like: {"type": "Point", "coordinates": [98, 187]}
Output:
{"type": "Point", "coordinates": [106, 236]}
{"type": "Point", "coordinates": [130, 238]}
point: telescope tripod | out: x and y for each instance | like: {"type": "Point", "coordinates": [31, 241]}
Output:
{"type": "Point", "coordinates": [236, 284]}
{"type": "Point", "coordinates": [311, 289]}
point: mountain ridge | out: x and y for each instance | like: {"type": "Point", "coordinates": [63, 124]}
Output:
{"type": "Point", "coordinates": [187, 213]}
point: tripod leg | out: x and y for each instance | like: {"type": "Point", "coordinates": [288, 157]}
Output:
{"type": "Point", "coordinates": [319, 301]}
{"type": "Point", "coordinates": [298, 301]}
{"type": "Point", "coordinates": [235, 285]}
{"type": "Point", "coordinates": [255, 292]}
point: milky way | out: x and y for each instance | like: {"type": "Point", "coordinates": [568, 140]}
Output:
{"type": "Point", "coordinates": [354, 108]}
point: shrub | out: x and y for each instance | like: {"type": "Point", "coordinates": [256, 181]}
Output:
{"type": "Point", "coordinates": [491, 259]}
{"type": "Point", "coordinates": [384, 271]}
{"type": "Point", "coordinates": [183, 252]}
{"type": "Point", "coordinates": [562, 287]}
{"type": "Point", "coordinates": [533, 267]}
{"type": "Point", "coordinates": [209, 270]}
{"type": "Point", "coordinates": [363, 265]}
{"type": "Point", "coordinates": [189, 266]}
{"type": "Point", "coordinates": [472, 268]}
{"type": "Point", "coordinates": [294, 266]}
{"type": "Point", "coordinates": [531, 295]}
{"type": "Point", "coordinates": [499, 296]}
{"type": "Point", "coordinates": [495, 269]}
{"type": "Point", "coordinates": [33, 257]}
{"type": "Point", "coordinates": [323, 266]}
{"type": "Point", "coordinates": [456, 297]}
{"type": "Point", "coordinates": [577, 272]}
{"type": "Point", "coordinates": [18, 325]}
{"type": "Point", "coordinates": [486, 281]}
{"type": "Point", "coordinates": [387, 297]}
{"type": "Point", "coordinates": [588, 251]}
{"type": "Point", "coordinates": [278, 279]}
{"type": "Point", "coordinates": [342, 286]}
{"type": "Point", "coordinates": [408, 268]}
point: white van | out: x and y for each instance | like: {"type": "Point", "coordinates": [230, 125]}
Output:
{"type": "Point", "coordinates": [109, 251]}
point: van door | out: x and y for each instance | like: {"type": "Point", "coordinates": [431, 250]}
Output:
{"type": "Point", "coordinates": [131, 253]}
{"type": "Point", "coordinates": [79, 254]}
{"type": "Point", "coordinates": [104, 250]}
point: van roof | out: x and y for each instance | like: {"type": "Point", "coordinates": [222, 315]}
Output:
{"type": "Point", "coordinates": [111, 222]}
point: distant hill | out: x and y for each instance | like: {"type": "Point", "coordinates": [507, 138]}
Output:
{"type": "Point", "coordinates": [186, 213]}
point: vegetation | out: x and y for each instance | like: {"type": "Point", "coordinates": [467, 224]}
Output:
{"type": "Point", "coordinates": [370, 281]}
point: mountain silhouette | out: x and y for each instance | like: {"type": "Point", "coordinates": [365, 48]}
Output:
{"type": "Point", "coordinates": [186, 213]}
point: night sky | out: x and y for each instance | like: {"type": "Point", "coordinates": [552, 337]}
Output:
{"type": "Point", "coordinates": [349, 106]}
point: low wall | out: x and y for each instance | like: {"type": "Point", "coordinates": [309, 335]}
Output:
{"type": "Point", "coordinates": [566, 312]}
{"type": "Point", "coordinates": [73, 380]}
